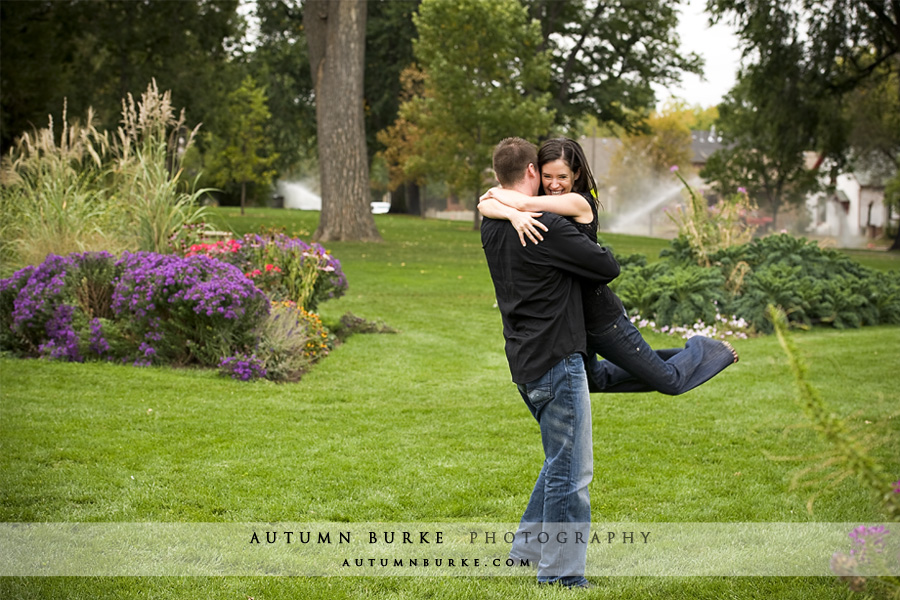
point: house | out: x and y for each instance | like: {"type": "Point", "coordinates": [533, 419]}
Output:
{"type": "Point", "coordinates": [703, 144]}
{"type": "Point", "coordinates": [854, 210]}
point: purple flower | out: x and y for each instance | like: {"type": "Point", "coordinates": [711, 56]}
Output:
{"type": "Point", "coordinates": [243, 367]}
{"type": "Point", "coordinates": [866, 539]}
{"type": "Point", "coordinates": [98, 344]}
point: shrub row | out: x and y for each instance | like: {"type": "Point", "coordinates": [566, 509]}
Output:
{"type": "Point", "coordinates": [813, 285]}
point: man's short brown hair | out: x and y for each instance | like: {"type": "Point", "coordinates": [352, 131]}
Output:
{"type": "Point", "coordinates": [511, 158]}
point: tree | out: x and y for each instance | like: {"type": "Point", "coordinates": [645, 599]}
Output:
{"type": "Point", "coordinates": [767, 122]}
{"type": "Point", "coordinates": [606, 55]}
{"type": "Point", "coordinates": [644, 160]}
{"type": "Point", "coordinates": [96, 53]}
{"type": "Point", "coordinates": [243, 153]}
{"type": "Point", "coordinates": [841, 46]}
{"type": "Point", "coordinates": [335, 32]}
{"type": "Point", "coordinates": [389, 50]}
{"type": "Point", "coordinates": [402, 140]}
{"type": "Point", "coordinates": [478, 87]}
{"type": "Point", "coordinates": [279, 60]}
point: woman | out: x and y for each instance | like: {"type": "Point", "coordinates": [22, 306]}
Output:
{"type": "Point", "coordinates": [568, 189]}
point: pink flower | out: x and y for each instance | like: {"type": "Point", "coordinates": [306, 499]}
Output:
{"type": "Point", "coordinates": [742, 190]}
{"type": "Point", "coordinates": [673, 168]}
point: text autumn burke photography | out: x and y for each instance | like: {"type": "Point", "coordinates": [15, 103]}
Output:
{"type": "Point", "coordinates": [561, 536]}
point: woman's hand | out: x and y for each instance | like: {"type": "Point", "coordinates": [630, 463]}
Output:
{"type": "Point", "coordinates": [488, 195]}
{"type": "Point", "coordinates": [526, 225]}
{"type": "Point", "coordinates": [523, 221]}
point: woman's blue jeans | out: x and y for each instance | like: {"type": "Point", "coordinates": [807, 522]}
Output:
{"type": "Point", "coordinates": [632, 366]}
{"type": "Point", "coordinates": [554, 530]}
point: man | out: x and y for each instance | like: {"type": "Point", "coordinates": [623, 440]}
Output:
{"type": "Point", "coordinates": [539, 295]}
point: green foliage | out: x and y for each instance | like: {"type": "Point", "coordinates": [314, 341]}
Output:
{"type": "Point", "coordinates": [820, 76]}
{"type": "Point", "coordinates": [72, 49]}
{"type": "Point", "coordinates": [673, 295]}
{"type": "Point", "coordinates": [814, 286]}
{"type": "Point", "coordinates": [607, 55]}
{"type": "Point", "coordinates": [242, 152]}
{"type": "Point", "coordinates": [479, 87]}
{"type": "Point", "coordinates": [92, 191]}
{"type": "Point", "coordinates": [279, 61]}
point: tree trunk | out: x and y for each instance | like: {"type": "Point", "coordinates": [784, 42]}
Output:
{"type": "Point", "coordinates": [476, 216]}
{"type": "Point", "coordinates": [414, 200]}
{"type": "Point", "coordinates": [896, 244]}
{"type": "Point", "coordinates": [336, 31]}
{"type": "Point", "coordinates": [243, 196]}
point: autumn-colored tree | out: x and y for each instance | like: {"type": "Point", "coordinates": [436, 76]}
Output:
{"type": "Point", "coordinates": [643, 162]}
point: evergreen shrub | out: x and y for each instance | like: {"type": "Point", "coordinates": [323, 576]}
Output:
{"type": "Point", "coordinates": [813, 285]}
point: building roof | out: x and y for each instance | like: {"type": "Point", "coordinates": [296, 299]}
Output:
{"type": "Point", "coordinates": [703, 144]}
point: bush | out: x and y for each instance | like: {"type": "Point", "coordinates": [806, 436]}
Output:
{"type": "Point", "coordinates": [186, 310]}
{"type": "Point", "coordinates": [143, 308]}
{"type": "Point", "coordinates": [672, 294]}
{"type": "Point", "coordinates": [287, 269]}
{"type": "Point", "coordinates": [814, 286]}
{"type": "Point", "coordinates": [292, 340]}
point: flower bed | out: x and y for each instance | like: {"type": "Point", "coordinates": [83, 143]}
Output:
{"type": "Point", "coordinates": [208, 308]}
{"type": "Point", "coordinates": [287, 269]}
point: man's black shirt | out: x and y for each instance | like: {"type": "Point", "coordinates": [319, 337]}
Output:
{"type": "Point", "coordinates": [538, 290]}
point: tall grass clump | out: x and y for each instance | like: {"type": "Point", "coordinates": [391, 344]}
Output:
{"type": "Point", "coordinates": [710, 229]}
{"type": "Point", "coordinates": [53, 198]}
{"type": "Point", "coordinates": [148, 148]}
{"type": "Point", "coordinates": [86, 190]}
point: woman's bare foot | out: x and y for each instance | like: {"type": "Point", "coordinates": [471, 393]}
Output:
{"type": "Point", "coordinates": [733, 352]}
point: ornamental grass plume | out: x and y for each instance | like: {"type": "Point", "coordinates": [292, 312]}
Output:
{"type": "Point", "coordinates": [849, 454]}
{"type": "Point", "coordinates": [710, 229]}
{"type": "Point", "coordinates": [89, 191]}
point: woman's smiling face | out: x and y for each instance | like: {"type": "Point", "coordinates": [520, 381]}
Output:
{"type": "Point", "coordinates": [557, 177]}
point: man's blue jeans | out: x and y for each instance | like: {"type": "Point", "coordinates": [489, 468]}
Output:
{"type": "Point", "coordinates": [631, 365]}
{"type": "Point", "coordinates": [554, 529]}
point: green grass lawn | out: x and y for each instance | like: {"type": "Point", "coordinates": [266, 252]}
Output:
{"type": "Point", "coordinates": [425, 426]}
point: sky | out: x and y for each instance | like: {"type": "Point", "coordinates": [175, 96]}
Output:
{"type": "Point", "coordinates": [718, 47]}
